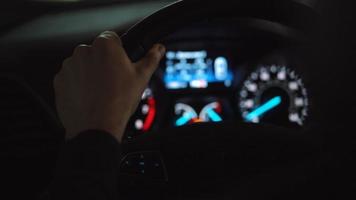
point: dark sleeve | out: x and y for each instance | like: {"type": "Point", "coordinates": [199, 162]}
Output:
{"type": "Point", "coordinates": [87, 168]}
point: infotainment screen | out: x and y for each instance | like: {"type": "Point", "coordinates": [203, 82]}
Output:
{"type": "Point", "coordinates": [196, 70]}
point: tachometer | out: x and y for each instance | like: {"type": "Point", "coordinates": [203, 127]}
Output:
{"type": "Point", "coordinates": [143, 118]}
{"type": "Point", "coordinates": [274, 94]}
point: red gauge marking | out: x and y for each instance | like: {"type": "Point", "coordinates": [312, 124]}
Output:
{"type": "Point", "coordinates": [218, 108]}
{"type": "Point", "coordinates": [151, 114]}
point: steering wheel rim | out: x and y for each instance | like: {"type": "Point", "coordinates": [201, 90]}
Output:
{"type": "Point", "coordinates": [138, 40]}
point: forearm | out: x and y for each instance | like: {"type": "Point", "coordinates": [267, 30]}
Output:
{"type": "Point", "coordinates": [87, 168]}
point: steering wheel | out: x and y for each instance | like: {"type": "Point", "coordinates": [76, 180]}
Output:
{"type": "Point", "coordinates": [234, 159]}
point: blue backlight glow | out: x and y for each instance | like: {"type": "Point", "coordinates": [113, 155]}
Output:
{"type": "Point", "coordinates": [269, 105]}
{"type": "Point", "coordinates": [214, 116]}
{"type": "Point", "coordinates": [193, 69]}
{"type": "Point", "coordinates": [184, 119]}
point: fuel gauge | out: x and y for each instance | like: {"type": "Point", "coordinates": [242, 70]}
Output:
{"type": "Point", "coordinates": [187, 114]}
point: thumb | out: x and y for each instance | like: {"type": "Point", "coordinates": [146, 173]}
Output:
{"type": "Point", "coordinates": [150, 62]}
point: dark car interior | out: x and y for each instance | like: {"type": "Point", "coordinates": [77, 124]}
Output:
{"type": "Point", "coordinates": [253, 99]}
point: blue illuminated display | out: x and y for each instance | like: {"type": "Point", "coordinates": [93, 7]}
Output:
{"type": "Point", "coordinates": [193, 69]}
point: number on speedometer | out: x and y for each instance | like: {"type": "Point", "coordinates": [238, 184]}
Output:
{"type": "Point", "coordinates": [274, 94]}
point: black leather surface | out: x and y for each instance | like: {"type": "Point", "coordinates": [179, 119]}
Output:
{"type": "Point", "coordinates": [152, 29]}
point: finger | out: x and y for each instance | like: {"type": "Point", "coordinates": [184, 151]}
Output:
{"type": "Point", "coordinates": [58, 78]}
{"type": "Point", "coordinates": [112, 35]}
{"type": "Point", "coordinates": [110, 42]}
{"type": "Point", "coordinates": [150, 62]}
{"type": "Point", "coordinates": [107, 38]}
{"type": "Point", "coordinates": [81, 50]}
{"type": "Point", "coordinates": [65, 65]}
{"type": "Point", "coordinates": [57, 81]}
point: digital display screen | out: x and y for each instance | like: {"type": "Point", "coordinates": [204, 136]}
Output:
{"type": "Point", "coordinates": [195, 69]}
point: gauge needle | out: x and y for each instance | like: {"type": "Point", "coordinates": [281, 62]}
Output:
{"type": "Point", "coordinates": [213, 115]}
{"type": "Point", "coordinates": [184, 119]}
{"type": "Point", "coordinates": [269, 105]}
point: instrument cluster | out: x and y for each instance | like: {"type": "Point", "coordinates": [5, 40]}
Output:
{"type": "Point", "coordinates": [209, 86]}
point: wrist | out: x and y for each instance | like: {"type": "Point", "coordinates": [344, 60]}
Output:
{"type": "Point", "coordinates": [117, 130]}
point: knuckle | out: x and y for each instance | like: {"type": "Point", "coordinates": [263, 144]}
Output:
{"type": "Point", "coordinates": [111, 35]}
{"type": "Point", "coordinates": [102, 42]}
{"type": "Point", "coordinates": [105, 45]}
{"type": "Point", "coordinates": [81, 50]}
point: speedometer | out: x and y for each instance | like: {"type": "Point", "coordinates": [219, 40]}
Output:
{"type": "Point", "coordinates": [274, 94]}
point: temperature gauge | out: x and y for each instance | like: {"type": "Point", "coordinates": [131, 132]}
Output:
{"type": "Point", "coordinates": [186, 114]}
{"type": "Point", "coordinates": [211, 113]}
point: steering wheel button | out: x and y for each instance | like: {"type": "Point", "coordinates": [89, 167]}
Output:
{"type": "Point", "coordinates": [144, 164]}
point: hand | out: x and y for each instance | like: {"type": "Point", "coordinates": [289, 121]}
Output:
{"type": "Point", "coordinates": [99, 87]}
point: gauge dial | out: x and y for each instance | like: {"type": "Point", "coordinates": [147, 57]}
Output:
{"type": "Point", "coordinates": [186, 114]}
{"type": "Point", "coordinates": [211, 113]}
{"type": "Point", "coordinates": [274, 94]}
{"type": "Point", "coordinates": [145, 114]}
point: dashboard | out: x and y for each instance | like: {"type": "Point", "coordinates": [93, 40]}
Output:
{"type": "Point", "coordinates": [217, 78]}
{"type": "Point", "coordinates": [216, 71]}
